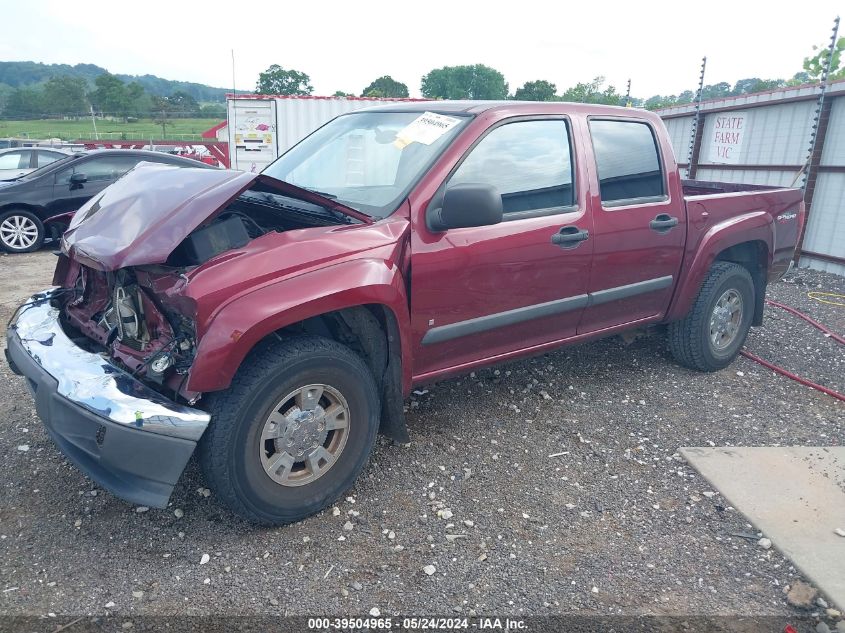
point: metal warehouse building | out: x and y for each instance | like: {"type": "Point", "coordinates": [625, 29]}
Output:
{"type": "Point", "coordinates": [763, 138]}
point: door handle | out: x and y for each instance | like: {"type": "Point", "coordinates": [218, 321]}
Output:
{"type": "Point", "coordinates": [663, 223]}
{"type": "Point", "coordinates": [570, 237]}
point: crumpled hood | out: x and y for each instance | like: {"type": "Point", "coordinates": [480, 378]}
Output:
{"type": "Point", "coordinates": [142, 217]}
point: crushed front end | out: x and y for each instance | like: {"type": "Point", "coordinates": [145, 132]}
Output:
{"type": "Point", "coordinates": [123, 434]}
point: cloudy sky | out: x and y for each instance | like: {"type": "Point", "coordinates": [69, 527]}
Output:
{"type": "Point", "coordinates": [344, 45]}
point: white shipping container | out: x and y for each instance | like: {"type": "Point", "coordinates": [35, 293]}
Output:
{"type": "Point", "coordinates": [263, 127]}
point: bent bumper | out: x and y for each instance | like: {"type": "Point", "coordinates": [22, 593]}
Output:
{"type": "Point", "coordinates": [127, 437]}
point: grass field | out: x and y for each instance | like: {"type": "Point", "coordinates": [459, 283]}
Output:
{"type": "Point", "coordinates": [181, 129]}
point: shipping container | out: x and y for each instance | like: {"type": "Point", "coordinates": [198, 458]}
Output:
{"type": "Point", "coordinates": [263, 127]}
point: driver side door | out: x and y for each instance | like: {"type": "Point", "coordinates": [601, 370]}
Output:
{"type": "Point", "coordinates": [484, 293]}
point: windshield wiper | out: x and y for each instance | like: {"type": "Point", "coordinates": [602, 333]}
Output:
{"type": "Point", "coordinates": [330, 196]}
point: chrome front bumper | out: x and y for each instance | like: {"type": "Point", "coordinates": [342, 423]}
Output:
{"type": "Point", "coordinates": [93, 382]}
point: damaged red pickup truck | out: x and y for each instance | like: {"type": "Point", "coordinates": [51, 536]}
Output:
{"type": "Point", "coordinates": [275, 322]}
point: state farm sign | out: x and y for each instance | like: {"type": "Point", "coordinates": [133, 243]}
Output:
{"type": "Point", "coordinates": [726, 138]}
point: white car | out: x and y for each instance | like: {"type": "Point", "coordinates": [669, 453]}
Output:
{"type": "Point", "coordinates": [18, 161]}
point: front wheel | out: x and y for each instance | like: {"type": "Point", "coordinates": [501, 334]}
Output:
{"type": "Point", "coordinates": [293, 431]}
{"type": "Point", "coordinates": [20, 231]}
{"type": "Point", "coordinates": [711, 335]}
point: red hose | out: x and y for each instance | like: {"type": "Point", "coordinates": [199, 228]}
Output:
{"type": "Point", "coordinates": [789, 374]}
{"type": "Point", "coordinates": [813, 322]}
{"type": "Point", "coordinates": [794, 377]}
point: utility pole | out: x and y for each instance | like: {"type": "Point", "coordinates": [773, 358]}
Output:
{"type": "Point", "coordinates": [820, 103]}
{"type": "Point", "coordinates": [628, 95]}
{"type": "Point", "coordinates": [94, 123]}
{"type": "Point", "coordinates": [696, 119]}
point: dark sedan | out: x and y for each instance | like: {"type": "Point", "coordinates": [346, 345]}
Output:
{"type": "Point", "coordinates": [61, 188]}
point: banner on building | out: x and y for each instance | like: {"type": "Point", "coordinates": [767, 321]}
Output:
{"type": "Point", "coordinates": [726, 138]}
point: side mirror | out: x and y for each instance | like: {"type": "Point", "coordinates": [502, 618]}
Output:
{"type": "Point", "coordinates": [466, 205]}
{"type": "Point", "coordinates": [78, 179]}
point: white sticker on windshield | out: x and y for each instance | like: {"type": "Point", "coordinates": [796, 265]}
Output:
{"type": "Point", "coordinates": [425, 129]}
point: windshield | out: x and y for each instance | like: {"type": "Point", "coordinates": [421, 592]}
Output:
{"type": "Point", "coordinates": [368, 160]}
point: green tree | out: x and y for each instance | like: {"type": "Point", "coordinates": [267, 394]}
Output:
{"type": "Point", "coordinates": [799, 78]}
{"type": "Point", "coordinates": [213, 111]}
{"type": "Point", "coordinates": [755, 84]}
{"type": "Point", "coordinates": [814, 66]}
{"type": "Point", "coordinates": [183, 104]}
{"type": "Point", "coordinates": [278, 81]}
{"type": "Point", "coordinates": [110, 95]}
{"type": "Point", "coordinates": [539, 90]}
{"type": "Point", "coordinates": [162, 110]}
{"type": "Point", "coordinates": [716, 91]}
{"type": "Point", "coordinates": [24, 103]}
{"type": "Point", "coordinates": [139, 101]}
{"type": "Point", "coordinates": [341, 93]}
{"type": "Point", "coordinates": [386, 86]}
{"type": "Point", "coordinates": [5, 92]}
{"type": "Point", "coordinates": [64, 94]}
{"type": "Point", "coordinates": [593, 92]}
{"type": "Point", "coordinates": [464, 82]}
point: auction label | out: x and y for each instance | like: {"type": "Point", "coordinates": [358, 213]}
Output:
{"type": "Point", "coordinates": [416, 624]}
{"type": "Point", "coordinates": [425, 129]}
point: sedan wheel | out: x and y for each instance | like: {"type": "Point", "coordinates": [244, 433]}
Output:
{"type": "Point", "coordinates": [20, 232]}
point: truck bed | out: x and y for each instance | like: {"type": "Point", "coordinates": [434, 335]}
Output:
{"type": "Point", "coordinates": [777, 213]}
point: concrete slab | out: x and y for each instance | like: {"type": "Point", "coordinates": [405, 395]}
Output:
{"type": "Point", "coordinates": [795, 495]}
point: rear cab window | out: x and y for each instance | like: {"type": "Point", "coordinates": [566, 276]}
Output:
{"type": "Point", "coordinates": [529, 162]}
{"type": "Point", "coordinates": [628, 162]}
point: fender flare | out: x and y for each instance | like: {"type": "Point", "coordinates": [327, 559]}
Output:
{"type": "Point", "coordinates": [237, 327]}
{"type": "Point", "coordinates": [755, 226]}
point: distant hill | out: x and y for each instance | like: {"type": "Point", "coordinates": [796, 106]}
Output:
{"type": "Point", "coordinates": [19, 74]}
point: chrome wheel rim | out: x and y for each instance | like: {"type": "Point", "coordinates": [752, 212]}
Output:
{"type": "Point", "coordinates": [304, 435]}
{"type": "Point", "coordinates": [18, 232]}
{"type": "Point", "coordinates": [725, 320]}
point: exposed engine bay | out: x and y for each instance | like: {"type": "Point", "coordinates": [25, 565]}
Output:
{"type": "Point", "coordinates": [257, 211]}
{"type": "Point", "coordinates": [118, 314]}
{"type": "Point", "coordinates": [139, 317]}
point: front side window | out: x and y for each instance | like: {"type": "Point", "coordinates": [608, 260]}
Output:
{"type": "Point", "coordinates": [100, 169]}
{"type": "Point", "coordinates": [368, 160]}
{"type": "Point", "coordinates": [529, 162]}
{"type": "Point", "coordinates": [627, 160]}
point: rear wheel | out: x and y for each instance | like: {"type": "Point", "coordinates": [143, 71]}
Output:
{"type": "Point", "coordinates": [711, 335]}
{"type": "Point", "coordinates": [293, 431]}
{"type": "Point", "coordinates": [20, 231]}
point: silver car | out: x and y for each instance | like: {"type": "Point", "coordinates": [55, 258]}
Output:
{"type": "Point", "coordinates": [18, 161]}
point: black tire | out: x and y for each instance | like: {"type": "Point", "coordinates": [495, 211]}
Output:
{"type": "Point", "coordinates": [690, 338]}
{"type": "Point", "coordinates": [229, 449]}
{"type": "Point", "coordinates": [9, 242]}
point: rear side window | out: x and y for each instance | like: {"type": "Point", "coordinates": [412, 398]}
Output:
{"type": "Point", "coordinates": [15, 160]}
{"type": "Point", "coordinates": [627, 160]}
{"type": "Point", "coordinates": [529, 162]}
{"type": "Point", "coordinates": [45, 158]}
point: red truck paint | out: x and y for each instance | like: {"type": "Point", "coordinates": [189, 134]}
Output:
{"type": "Point", "coordinates": [246, 294]}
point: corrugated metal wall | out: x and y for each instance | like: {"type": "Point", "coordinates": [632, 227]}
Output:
{"type": "Point", "coordinates": [777, 137]}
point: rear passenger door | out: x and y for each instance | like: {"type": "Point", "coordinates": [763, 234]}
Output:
{"type": "Point", "coordinates": [639, 224]}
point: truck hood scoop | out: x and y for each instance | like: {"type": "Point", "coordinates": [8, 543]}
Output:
{"type": "Point", "coordinates": [144, 216]}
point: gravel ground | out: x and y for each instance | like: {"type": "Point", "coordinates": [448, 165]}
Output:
{"type": "Point", "coordinates": [547, 486]}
